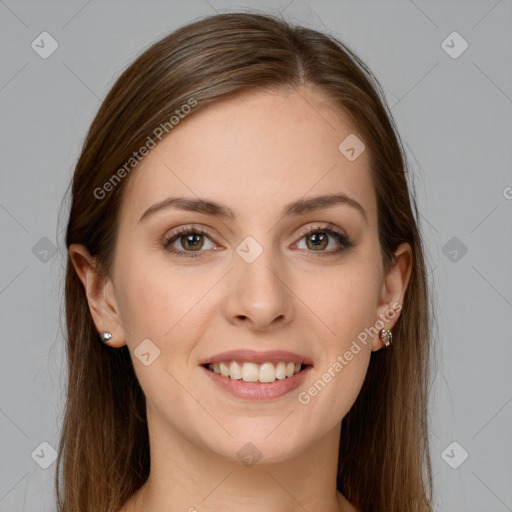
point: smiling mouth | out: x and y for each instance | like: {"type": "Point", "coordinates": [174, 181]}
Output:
{"type": "Point", "coordinates": [252, 372]}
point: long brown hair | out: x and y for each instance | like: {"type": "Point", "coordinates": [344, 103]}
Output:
{"type": "Point", "coordinates": [103, 455]}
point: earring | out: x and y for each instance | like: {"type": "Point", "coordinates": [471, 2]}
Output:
{"type": "Point", "coordinates": [105, 336]}
{"type": "Point", "coordinates": [386, 336]}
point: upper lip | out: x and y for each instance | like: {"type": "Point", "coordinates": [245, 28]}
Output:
{"type": "Point", "coordinates": [252, 356]}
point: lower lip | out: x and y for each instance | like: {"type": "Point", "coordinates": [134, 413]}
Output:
{"type": "Point", "coordinates": [256, 390]}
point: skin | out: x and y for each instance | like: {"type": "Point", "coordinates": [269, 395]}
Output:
{"type": "Point", "coordinates": [255, 153]}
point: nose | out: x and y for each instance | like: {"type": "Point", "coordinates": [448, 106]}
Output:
{"type": "Point", "coordinates": [259, 295]}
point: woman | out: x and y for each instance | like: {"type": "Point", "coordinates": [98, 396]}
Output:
{"type": "Point", "coordinates": [246, 297]}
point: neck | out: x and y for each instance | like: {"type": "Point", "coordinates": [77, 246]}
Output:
{"type": "Point", "coordinates": [185, 476]}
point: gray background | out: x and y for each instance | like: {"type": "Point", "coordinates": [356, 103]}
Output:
{"type": "Point", "coordinates": [454, 115]}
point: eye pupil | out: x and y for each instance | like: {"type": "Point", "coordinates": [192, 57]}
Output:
{"type": "Point", "coordinates": [189, 241]}
{"type": "Point", "coordinates": [317, 240]}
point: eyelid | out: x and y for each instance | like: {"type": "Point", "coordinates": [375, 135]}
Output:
{"type": "Point", "coordinates": [344, 239]}
{"type": "Point", "coordinates": [323, 227]}
{"type": "Point", "coordinates": [184, 230]}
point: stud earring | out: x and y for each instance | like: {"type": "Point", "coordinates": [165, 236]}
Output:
{"type": "Point", "coordinates": [105, 336]}
{"type": "Point", "coordinates": [386, 336]}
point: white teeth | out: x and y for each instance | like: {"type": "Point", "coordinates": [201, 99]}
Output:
{"type": "Point", "coordinates": [280, 370]}
{"type": "Point", "coordinates": [252, 372]}
{"type": "Point", "coordinates": [267, 373]}
{"type": "Point", "coordinates": [224, 369]}
{"type": "Point", "coordinates": [235, 371]}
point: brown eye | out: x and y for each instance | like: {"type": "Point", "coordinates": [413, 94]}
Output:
{"type": "Point", "coordinates": [317, 240]}
{"type": "Point", "coordinates": [192, 241]}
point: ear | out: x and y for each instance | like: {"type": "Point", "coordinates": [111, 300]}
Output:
{"type": "Point", "coordinates": [393, 291]}
{"type": "Point", "coordinates": [100, 295]}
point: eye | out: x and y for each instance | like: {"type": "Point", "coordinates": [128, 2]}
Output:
{"type": "Point", "coordinates": [319, 238]}
{"type": "Point", "coordinates": [191, 239]}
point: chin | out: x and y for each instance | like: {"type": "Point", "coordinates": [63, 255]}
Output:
{"type": "Point", "coordinates": [261, 446]}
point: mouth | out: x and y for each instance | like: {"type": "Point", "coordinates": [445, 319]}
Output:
{"type": "Point", "coordinates": [254, 375]}
{"type": "Point", "coordinates": [265, 373]}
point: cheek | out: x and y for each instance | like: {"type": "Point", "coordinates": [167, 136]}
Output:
{"type": "Point", "coordinates": [344, 302]}
{"type": "Point", "coordinates": [344, 299]}
{"type": "Point", "coordinates": [155, 298]}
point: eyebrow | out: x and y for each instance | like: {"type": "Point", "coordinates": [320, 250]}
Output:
{"type": "Point", "coordinates": [296, 208]}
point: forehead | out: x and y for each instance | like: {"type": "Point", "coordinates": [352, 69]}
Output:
{"type": "Point", "coordinates": [253, 151]}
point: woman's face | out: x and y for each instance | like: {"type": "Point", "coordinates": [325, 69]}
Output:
{"type": "Point", "coordinates": [253, 281]}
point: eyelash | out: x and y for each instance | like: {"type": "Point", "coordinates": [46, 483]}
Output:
{"type": "Point", "coordinates": [344, 241]}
